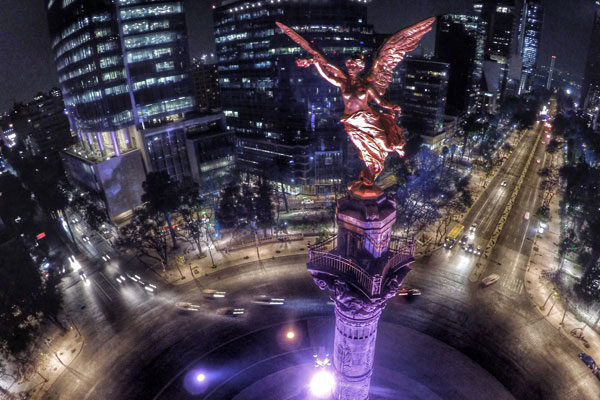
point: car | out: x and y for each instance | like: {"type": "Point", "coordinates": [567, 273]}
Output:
{"type": "Point", "coordinates": [526, 216]}
{"type": "Point", "coordinates": [74, 220]}
{"type": "Point", "coordinates": [477, 251]}
{"type": "Point", "coordinates": [470, 248]}
{"type": "Point", "coordinates": [472, 230]}
{"type": "Point", "coordinates": [308, 201]}
{"type": "Point", "coordinates": [213, 294]}
{"type": "Point", "coordinates": [463, 241]}
{"type": "Point", "coordinates": [503, 183]}
{"type": "Point", "coordinates": [84, 278]}
{"type": "Point", "coordinates": [271, 301]}
{"type": "Point", "coordinates": [230, 311]}
{"type": "Point", "coordinates": [182, 305]}
{"type": "Point", "coordinates": [589, 361]}
{"type": "Point", "coordinates": [148, 287]}
{"type": "Point", "coordinates": [488, 280]}
{"type": "Point", "coordinates": [408, 292]}
{"type": "Point", "coordinates": [120, 278]}
{"type": "Point", "coordinates": [106, 257]}
{"type": "Point", "coordinates": [85, 238]}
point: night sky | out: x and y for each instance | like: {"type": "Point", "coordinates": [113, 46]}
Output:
{"type": "Point", "coordinates": [27, 65]}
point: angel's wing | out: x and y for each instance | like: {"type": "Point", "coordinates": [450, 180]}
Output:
{"type": "Point", "coordinates": [392, 52]}
{"type": "Point", "coordinates": [306, 46]}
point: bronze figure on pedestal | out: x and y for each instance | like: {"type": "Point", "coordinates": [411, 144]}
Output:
{"type": "Point", "coordinates": [374, 133]}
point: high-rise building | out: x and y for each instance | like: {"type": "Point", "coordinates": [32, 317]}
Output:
{"type": "Point", "coordinates": [206, 85]}
{"type": "Point", "coordinates": [550, 73]}
{"type": "Point", "coordinates": [424, 90]}
{"type": "Point", "coordinates": [531, 33]}
{"type": "Point", "coordinates": [502, 63]}
{"type": "Point", "coordinates": [591, 80]}
{"type": "Point", "coordinates": [122, 66]}
{"type": "Point", "coordinates": [49, 130]}
{"type": "Point", "coordinates": [278, 110]}
{"type": "Point", "coordinates": [192, 147]}
{"type": "Point", "coordinates": [460, 42]}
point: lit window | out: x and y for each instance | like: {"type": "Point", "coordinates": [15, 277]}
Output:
{"type": "Point", "coordinates": [144, 26]}
{"type": "Point", "coordinates": [149, 39]}
{"type": "Point", "coordinates": [142, 55]}
{"type": "Point", "coordinates": [106, 46]}
{"type": "Point", "coordinates": [145, 11]}
{"type": "Point", "coordinates": [164, 66]}
{"type": "Point", "coordinates": [110, 61]}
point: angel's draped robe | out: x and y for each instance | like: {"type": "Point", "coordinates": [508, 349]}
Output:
{"type": "Point", "coordinates": [375, 135]}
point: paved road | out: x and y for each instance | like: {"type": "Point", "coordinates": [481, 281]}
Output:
{"type": "Point", "coordinates": [137, 343]}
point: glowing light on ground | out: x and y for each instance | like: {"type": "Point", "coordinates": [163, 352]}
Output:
{"type": "Point", "coordinates": [200, 377]}
{"type": "Point", "coordinates": [290, 335]}
{"type": "Point", "coordinates": [322, 384]}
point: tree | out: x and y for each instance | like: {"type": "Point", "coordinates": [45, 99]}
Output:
{"type": "Point", "coordinates": [191, 209]}
{"type": "Point", "coordinates": [25, 299]}
{"type": "Point", "coordinates": [146, 235]}
{"type": "Point", "coordinates": [264, 206]}
{"type": "Point", "coordinates": [161, 194]}
{"type": "Point", "coordinates": [279, 170]}
{"type": "Point", "coordinates": [94, 216]}
{"type": "Point", "coordinates": [17, 208]}
{"type": "Point", "coordinates": [227, 209]}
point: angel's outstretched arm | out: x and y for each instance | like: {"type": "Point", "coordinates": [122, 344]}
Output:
{"type": "Point", "coordinates": [325, 73]}
{"type": "Point", "coordinates": [323, 68]}
{"type": "Point", "coordinates": [381, 101]}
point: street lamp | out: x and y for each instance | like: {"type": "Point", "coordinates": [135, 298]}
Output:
{"type": "Point", "coordinates": [290, 335]}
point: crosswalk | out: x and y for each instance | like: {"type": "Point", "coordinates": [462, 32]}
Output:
{"type": "Point", "coordinates": [513, 284]}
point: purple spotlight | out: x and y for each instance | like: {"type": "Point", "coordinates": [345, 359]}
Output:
{"type": "Point", "coordinates": [196, 381]}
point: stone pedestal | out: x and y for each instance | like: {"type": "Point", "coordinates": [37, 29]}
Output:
{"type": "Point", "coordinates": [361, 267]}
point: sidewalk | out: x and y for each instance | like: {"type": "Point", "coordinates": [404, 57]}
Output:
{"type": "Point", "coordinates": [204, 266]}
{"type": "Point", "coordinates": [544, 259]}
{"type": "Point", "coordinates": [55, 354]}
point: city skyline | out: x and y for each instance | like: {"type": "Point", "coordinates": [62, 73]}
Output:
{"type": "Point", "coordinates": [26, 42]}
{"type": "Point", "coordinates": [291, 203]}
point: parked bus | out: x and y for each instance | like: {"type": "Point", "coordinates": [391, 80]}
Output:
{"type": "Point", "coordinates": [453, 236]}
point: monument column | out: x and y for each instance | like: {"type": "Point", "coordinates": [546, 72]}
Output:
{"type": "Point", "coordinates": [361, 268]}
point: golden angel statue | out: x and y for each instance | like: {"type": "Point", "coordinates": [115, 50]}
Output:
{"type": "Point", "coordinates": [374, 133]}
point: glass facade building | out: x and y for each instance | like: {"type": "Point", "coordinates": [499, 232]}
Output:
{"type": "Point", "coordinates": [531, 22]}
{"type": "Point", "coordinates": [123, 69]}
{"type": "Point", "coordinates": [424, 90]}
{"type": "Point", "coordinates": [278, 110]}
{"type": "Point", "coordinates": [460, 42]}
{"type": "Point", "coordinates": [590, 96]}
{"type": "Point", "coordinates": [121, 64]}
{"type": "Point", "coordinates": [501, 59]}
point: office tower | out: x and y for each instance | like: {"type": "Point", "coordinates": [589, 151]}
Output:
{"type": "Point", "coordinates": [591, 78]}
{"type": "Point", "coordinates": [195, 146]}
{"type": "Point", "coordinates": [531, 23]}
{"type": "Point", "coordinates": [278, 110]}
{"type": "Point", "coordinates": [211, 152]}
{"type": "Point", "coordinates": [550, 73]}
{"type": "Point", "coordinates": [206, 85]}
{"type": "Point", "coordinates": [424, 90]}
{"type": "Point", "coordinates": [122, 67]}
{"type": "Point", "coordinates": [49, 130]}
{"type": "Point", "coordinates": [460, 42]}
{"type": "Point", "coordinates": [502, 65]}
